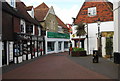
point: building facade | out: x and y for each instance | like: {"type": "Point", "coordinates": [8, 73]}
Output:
{"type": "Point", "coordinates": [90, 13]}
{"type": "Point", "coordinates": [23, 40]}
{"type": "Point", "coordinates": [116, 10]}
{"type": "Point", "coordinates": [55, 40]}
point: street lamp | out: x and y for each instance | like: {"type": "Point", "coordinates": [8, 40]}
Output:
{"type": "Point", "coordinates": [87, 38]}
{"type": "Point", "coordinates": [99, 37]}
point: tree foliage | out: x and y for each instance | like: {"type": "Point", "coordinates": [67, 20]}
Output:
{"type": "Point", "coordinates": [80, 29]}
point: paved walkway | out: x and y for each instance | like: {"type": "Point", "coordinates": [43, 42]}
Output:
{"type": "Point", "coordinates": [57, 66]}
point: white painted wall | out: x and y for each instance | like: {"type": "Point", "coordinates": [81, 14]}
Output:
{"type": "Point", "coordinates": [93, 33]}
{"type": "Point", "coordinates": [103, 46]}
{"type": "Point", "coordinates": [116, 43]}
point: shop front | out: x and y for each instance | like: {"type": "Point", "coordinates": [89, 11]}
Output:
{"type": "Point", "coordinates": [57, 42]}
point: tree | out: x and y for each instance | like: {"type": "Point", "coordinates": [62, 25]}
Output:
{"type": "Point", "coordinates": [80, 31]}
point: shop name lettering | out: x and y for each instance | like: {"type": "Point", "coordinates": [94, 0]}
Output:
{"type": "Point", "coordinates": [24, 36]}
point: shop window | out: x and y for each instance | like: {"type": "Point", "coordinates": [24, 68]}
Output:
{"type": "Point", "coordinates": [65, 45]}
{"type": "Point", "coordinates": [24, 47]}
{"type": "Point", "coordinates": [29, 47]}
{"type": "Point", "coordinates": [59, 45]}
{"type": "Point", "coordinates": [50, 46]}
{"type": "Point", "coordinates": [17, 49]}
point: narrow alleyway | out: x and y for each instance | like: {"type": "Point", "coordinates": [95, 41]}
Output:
{"type": "Point", "coordinates": [54, 66]}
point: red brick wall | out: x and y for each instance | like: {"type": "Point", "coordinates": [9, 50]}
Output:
{"type": "Point", "coordinates": [104, 12]}
{"type": "Point", "coordinates": [36, 30]}
{"type": "Point", "coordinates": [16, 24]}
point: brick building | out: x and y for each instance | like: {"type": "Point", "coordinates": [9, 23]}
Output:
{"type": "Point", "coordinates": [90, 12]}
{"type": "Point", "coordinates": [21, 34]}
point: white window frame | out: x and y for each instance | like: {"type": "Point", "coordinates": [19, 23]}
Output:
{"type": "Point", "coordinates": [92, 11]}
{"type": "Point", "coordinates": [39, 30]}
{"type": "Point", "coordinates": [22, 22]}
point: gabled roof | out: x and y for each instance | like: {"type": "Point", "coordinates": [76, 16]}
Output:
{"type": "Point", "coordinates": [60, 23]}
{"type": "Point", "coordinates": [104, 11]}
{"type": "Point", "coordinates": [22, 9]}
{"type": "Point", "coordinates": [29, 8]}
{"type": "Point", "coordinates": [41, 11]}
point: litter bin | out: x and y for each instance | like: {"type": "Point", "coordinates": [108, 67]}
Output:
{"type": "Point", "coordinates": [95, 56]}
{"type": "Point", "coordinates": [116, 57]}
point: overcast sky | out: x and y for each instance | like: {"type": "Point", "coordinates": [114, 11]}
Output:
{"type": "Point", "coordinates": [64, 9]}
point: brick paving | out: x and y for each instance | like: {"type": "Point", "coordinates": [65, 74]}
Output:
{"type": "Point", "coordinates": [54, 66]}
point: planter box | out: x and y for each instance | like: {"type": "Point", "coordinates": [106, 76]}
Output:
{"type": "Point", "coordinates": [78, 53]}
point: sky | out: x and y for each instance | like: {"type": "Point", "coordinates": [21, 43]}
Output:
{"type": "Point", "coordinates": [64, 9]}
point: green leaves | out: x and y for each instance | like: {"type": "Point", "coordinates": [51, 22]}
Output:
{"type": "Point", "coordinates": [80, 29]}
{"type": "Point", "coordinates": [78, 49]}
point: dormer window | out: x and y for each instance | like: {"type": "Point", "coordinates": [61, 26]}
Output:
{"type": "Point", "coordinates": [92, 11]}
{"type": "Point", "coordinates": [12, 3]}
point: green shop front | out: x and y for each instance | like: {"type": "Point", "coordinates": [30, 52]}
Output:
{"type": "Point", "coordinates": [57, 42]}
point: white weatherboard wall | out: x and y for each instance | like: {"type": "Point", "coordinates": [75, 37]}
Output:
{"type": "Point", "coordinates": [116, 43]}
{"type": "Point", "coordinates": [93, 34]}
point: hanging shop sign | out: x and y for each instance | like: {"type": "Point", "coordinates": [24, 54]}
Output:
{"type": "Point", "coordinates": [40, 38]}
{"type": "Point", "coordinates": [23, 37]}
{"type": "Point", "coordinates": [34, 37]}
{"type": "Point", "coordinates": [57, 35]}
{"type": "Point", "coordinates": [107, 34]}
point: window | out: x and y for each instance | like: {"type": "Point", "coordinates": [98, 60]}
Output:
{"type": "Point", "coordinates": [65, 45]}
{"type": "Point", "coordinates": [22, 26]}
{"type": "Point", "coordinates": [92, 11]}
{"type": "Point", "coordinates": [11, 3]}
{"type": "Point", "coordinates": [59, 45]}
{"type": "Point", "coordinates": [29, 29]}
{"type": "Point", "coordinates": [50, 46]}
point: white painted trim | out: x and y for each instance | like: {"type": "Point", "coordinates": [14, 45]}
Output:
{"type": "Point", "coordinates": [51, 10]}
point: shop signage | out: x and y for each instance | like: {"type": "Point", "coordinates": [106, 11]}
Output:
{"type": "Point", "coordinates": [40, 38]}
{"type": "Point", "coordinates": [34, 37]}
{"type": "Point", "coordinates": [57, 35]}
{"type": "Point", "coordinates": [107, 34]}
{"type": "Point", "coordinates": [22, 36]}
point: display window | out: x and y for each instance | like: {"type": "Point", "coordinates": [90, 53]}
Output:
{"type": "Point", "coordinates": [18, 49]}
{"type": "Point", "coordinates": [59, 46]}
{"type": "Point", "coordinates": [50, 46]}
{"type": "Point", "coordinates": [66, 45]}
{"type": "Point", "coordinates": [24, 47]}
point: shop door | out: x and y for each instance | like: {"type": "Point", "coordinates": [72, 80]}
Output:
{"type": "Point", "coordinates": [4, 53]}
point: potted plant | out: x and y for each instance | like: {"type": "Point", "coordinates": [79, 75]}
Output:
{"type": "Point", "coordinates": [76, 52]}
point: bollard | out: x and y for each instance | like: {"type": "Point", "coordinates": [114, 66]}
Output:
{"type": "Point", "coordinates": [95, 56]}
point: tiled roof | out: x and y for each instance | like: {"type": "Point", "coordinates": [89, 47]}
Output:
{"type": "Point", "coordinates": [22, 9]}
{"type": "Point", "coordinates": [104, 12]}
{"type": "Point", "coordinates": [60, 23]}
{"type": "Point", "coordinates": [29, 8]}
{"type": "Point", "coordinates": [41, 11]}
